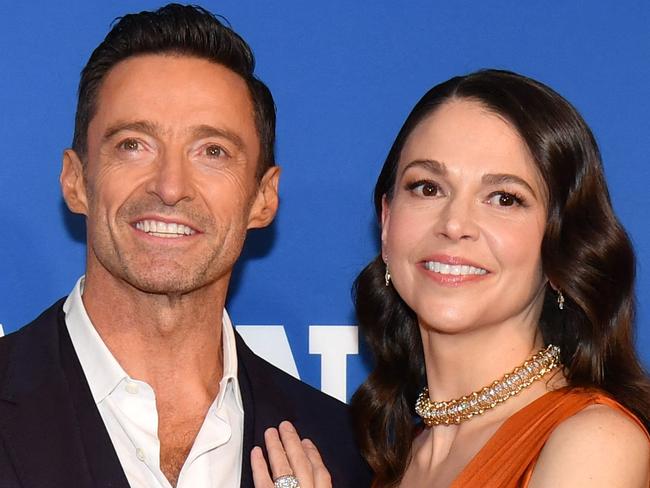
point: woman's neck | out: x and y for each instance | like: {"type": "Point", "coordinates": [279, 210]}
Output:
{"type": "Point", "coordinates": [459, 364]}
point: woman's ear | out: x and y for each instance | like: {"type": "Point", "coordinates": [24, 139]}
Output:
{"type": "Point", "coordinates": [385, 223]}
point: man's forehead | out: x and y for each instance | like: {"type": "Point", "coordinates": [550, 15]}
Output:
{"type": "Point", "coordinates": [173, 89]}
{"type": "Point", "coordinates": [144, 70]}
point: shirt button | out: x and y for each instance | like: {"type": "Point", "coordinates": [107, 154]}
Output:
{"type": "Point", "coordinates": [131, 387]}
{"type": "Point", "coordinates": [139, 454]}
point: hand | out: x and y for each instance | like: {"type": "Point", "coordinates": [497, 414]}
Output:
{"type": "Point", "coordinates": [289, 455]}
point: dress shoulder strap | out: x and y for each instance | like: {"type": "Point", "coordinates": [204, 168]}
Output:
{"type": "Point", "coordinates": [508, 458]}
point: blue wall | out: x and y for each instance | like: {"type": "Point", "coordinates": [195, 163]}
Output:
{"type": "Point", "coordinates": [344, 76]}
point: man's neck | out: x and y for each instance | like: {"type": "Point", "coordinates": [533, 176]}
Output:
{"type": "Point", "coordinates": [158, 338]}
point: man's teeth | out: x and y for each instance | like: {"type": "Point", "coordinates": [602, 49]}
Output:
{"type": "Point", "coordinates": [453, 269]}
{"type": "Point", "coordinates": [163, 229]}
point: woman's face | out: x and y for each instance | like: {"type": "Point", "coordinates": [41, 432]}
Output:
{"type": "Point", "coordinates": [462, 233]}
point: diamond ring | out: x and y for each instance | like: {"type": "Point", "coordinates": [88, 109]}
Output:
{"type": "Point", "coordinates": [286, 481]}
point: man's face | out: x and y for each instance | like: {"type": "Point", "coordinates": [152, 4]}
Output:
{"type": "Point", "coordinates": [169, 188]}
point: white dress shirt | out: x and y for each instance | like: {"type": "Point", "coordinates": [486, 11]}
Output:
{"type": "Point", "coordinates": [128, 408]}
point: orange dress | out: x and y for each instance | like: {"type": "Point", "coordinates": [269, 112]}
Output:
{"type": "Point", "coordinates": [509, 457]}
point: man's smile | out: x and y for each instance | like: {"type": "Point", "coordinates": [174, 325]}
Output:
{"type": "Point", "coordinates": [158, 228]}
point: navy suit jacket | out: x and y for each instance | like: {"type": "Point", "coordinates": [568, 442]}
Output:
{"type": "Point", "coordinates": [52, 435]}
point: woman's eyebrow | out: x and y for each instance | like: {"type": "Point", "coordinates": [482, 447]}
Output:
{"type": "Point", "coordinates": [501, 178]}
{"type": "Point", "coordinates": [431, 165]}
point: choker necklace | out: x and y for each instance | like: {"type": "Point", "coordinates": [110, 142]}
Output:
{"type": "Point", "coordinates": [456, 411]}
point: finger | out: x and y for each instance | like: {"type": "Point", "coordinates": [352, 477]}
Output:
{"type": "Point", "coordinates": [261, 477]}
{"type": "Point", "coordinates": [298, 460]}
{"type": "Point", "coordinates": [322, 478]}
{"type": "Point", "coordinates": [277, 457]}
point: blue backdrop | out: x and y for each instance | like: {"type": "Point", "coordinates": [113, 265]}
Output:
{"type": "Point", "coordinates": [344, 76]}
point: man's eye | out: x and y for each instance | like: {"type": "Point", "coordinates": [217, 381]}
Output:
{"type": "Point", "coordinates": [129, 145]}
{"type": "Point", "coordinates": [215, 151]}
{"type": "Point", "coordinates": [425, 188]}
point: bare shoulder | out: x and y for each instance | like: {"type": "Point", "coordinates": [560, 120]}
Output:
{"type": "Point", "coordinates": [597, 447]}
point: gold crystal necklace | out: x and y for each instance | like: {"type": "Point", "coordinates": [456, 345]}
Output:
{"type": "Point", "coordinates": [456, 411]}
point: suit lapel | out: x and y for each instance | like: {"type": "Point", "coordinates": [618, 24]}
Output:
{"type": "Point", "coordinates": [46, 424]}
{"type": "Point", "coordinates": [37, 420]}
{"type": "Point", "coordinates": [249, 419]}
{"type": "Point", "coordinates": [265, 405]}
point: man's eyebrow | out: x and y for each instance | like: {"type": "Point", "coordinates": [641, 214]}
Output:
{"type": "Point", "coordinates": [431, 165]}
{"type": "Point", "coordinates": [144, 126]}
{"type": "Point", "coordinates": [204, 131]}
{"type": "Point", "coordinates": [503, 178]}
{"type": "Point", "coordinates": [152, 129]}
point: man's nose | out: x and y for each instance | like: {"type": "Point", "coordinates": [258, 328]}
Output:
{"type": "Point", "coordinates": [172, 180]}
{"type": "Point", "coordinates": [457, 220]}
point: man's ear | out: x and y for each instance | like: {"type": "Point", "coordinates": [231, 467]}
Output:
{"type": "Point", "coordinates": [73, 184]}
{"type": "Point", "coordinates": [266, 201]}
{"type": "Point", "coordinates": [385, 223]}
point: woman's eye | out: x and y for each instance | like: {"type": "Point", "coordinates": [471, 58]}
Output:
{"type": "Point", "coordinates": [504, 199]}
{"type": "Point", "coordinates": [425, 188]}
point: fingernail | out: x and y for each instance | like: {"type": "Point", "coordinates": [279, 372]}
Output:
{"type": "Point", "coordinates": [287, 426]}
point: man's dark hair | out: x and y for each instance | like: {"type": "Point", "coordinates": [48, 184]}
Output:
{"type": "Point", "coordinates": [183, 30]}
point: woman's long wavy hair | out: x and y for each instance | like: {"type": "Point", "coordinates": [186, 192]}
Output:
{"type": "Point", "coordinates": [585, 252]}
